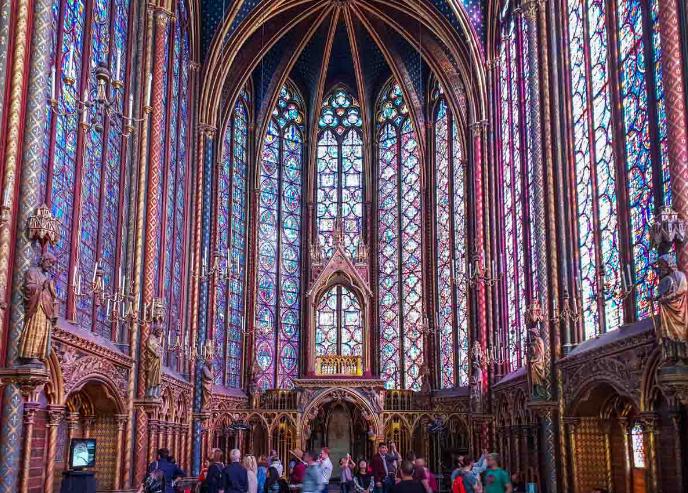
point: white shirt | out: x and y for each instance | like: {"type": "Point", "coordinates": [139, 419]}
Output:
{"type": "Point", "coordinates": [326, 470]}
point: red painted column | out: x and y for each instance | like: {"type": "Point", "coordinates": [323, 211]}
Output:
{"type": "Point", "coordinates": [145, 413]}
{"type": "Point", "coordinates": [670, 35]}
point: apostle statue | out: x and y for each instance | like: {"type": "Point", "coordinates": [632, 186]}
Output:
{"type": "Point", "coordinates": [673, 301]}
{"type": "Point", "coordinates": [207, 375]}
{"type": "Point", "coordinates": [476, 379]}
{"type": "Point", "coordinates": [537, 356]}
{"type": "Point", "coordinates": [40, 298]}
{"type": "Point", "coordinates": [153, 361]}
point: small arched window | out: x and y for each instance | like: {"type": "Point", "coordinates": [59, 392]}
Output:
{"type": "Point", "coordinates": [339, 324]}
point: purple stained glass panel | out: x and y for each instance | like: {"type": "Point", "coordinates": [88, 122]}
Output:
{"type": "Point", "coordinates": [399, 244]}
{"type": "Point", "coordinates": [279, 245]}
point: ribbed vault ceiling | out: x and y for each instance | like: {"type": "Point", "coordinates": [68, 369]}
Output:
{"type": "Point", "coordinates": [320, 43]}
{"type": "Point", "coordinates": [214, 11]}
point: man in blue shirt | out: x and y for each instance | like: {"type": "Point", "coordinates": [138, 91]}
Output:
{"type": "Point", "coordinates": [236, 477]}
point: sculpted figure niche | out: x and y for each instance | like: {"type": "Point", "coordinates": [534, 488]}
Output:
{"type": "Point", "coordinates": [153, 362]}
{"type": "Point", "coordinates": [673, 314]}
{"type": "Point", "coordinates": [207, 375]}
{"type": "Point", "coordinates": [40, 297]}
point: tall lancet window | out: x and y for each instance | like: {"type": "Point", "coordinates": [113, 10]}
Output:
{"type": "Point", "coordinates": [82, 179]}
{"type": "Point", "coordinates": [614, 46]}
{"type": "Point", "coordinates": [278, 309]}
{"type": "Point", "coordinates": [230, 240]}
{"type": "Point", "coordinates": [399, 243]}
{"type": "Point", "coordinates": [340, 172]}
{"type": "Point", "coordinates": [175, 182]}
{"type": "Point", "coordinates": [516, 183]}
{"type": "Point", "coordinates": [450, 245]}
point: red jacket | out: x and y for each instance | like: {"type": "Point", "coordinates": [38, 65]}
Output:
{"type": "Point", "coordinates": [298, 472]}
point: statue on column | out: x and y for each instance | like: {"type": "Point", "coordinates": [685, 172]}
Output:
{"type": "Point", "coordinates": [673, 313]}
{"type": "Point", "coordinates": [537, 362]}
{"type": "Point", "coordinates": [40, 297]}
{"type": "Point", "coordinates": [207, 375]}
{"type": "Point", "coordinates": [476, 379]}
{"type": "Point", "coordinates": [153, 361]}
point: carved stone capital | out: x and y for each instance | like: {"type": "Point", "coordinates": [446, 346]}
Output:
{"type": "Point", "coordinates": [121, 420]}
{"type": "Point", "coordinates": [29, 379]}
{"type": "Point", "coordinates": [55, 415]}
{"type": "Point", "coordinates": [206, 130]}
{"type": "Point", "coordinates": [478, 127]}
{"type": "Point", "coordinates": [673, 380]}
{"type": "Point", "coordinates": [648, 421]}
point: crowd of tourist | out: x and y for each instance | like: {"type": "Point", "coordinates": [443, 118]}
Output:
{"type": "Point", "coordinates": [311, 472]}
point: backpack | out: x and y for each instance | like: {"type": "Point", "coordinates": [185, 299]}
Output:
{"type": "Point", "coordinates": [457, 486]}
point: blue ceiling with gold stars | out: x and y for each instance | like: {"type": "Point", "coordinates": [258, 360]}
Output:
{"type": "Point", "coordinates": [213, 11]}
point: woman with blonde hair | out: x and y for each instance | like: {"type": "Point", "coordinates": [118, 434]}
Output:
{"type": "Point", "coordinates": [251, 469]}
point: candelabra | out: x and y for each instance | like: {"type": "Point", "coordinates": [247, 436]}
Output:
{"type": "Point", "coordinates": [495, 355]}
{"type": "Point", "coordinates": [570, 311]}
{"type": "Point", "coordinates": [96, 288]}
{"type": "Point", "coordinates": [216, 270]}
{"type": "Point", "coordinates": [628, 285]}
{"type": "Point", "coordinates": [477, 273]}
{"type": "Point", "coordinates": [108, 99]}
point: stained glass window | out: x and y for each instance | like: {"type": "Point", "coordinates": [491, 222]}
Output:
{"type": "Point", "coordinates": [516, 182]}
{"type": "Point", "coordinates": [399, 244]}
{"type": "Point", "coordinates": [279, 244]}
{"type": "Point", "coordinates": [340, 172]}
{"type": "Point", "coordinates": [638, 165]}
{"type": "Point", "coordinates": [339, 324]}
{"type": "Point", "coordinates": [450, 247]}
{"type": "Point", "coordinates": [175, 178]}
{"type": "Point", "coordinates": [82, 176]}
{"type": "Point", "coordinates": [228, 323]}
{"type": "Point", "coordinates": [638, 444]}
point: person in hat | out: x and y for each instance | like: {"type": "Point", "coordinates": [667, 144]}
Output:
{"type": "Point", "coordinates": [299, 469]}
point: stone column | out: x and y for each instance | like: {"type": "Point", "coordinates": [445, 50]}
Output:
{"type": "Point", "coordinates": [30, 409]}
{"type": "Point", "coordinates": [672, 58]}
{"type": "Point", "coordinates": [27, 201]}
{"type": "Point", "coordinates": [87, 425]}
{"type": "Point", "coordinates": [152, 204]}
{"type": "Point", "coordinates": [571, 424]}
{"type": "Point", "coordinates": [650, 432]}
{"type": "Point", "coordinates": [122, 420]}
{"type": "Point", "coordinates": [55, 417]}
{"type": "Point", "coordinates": [541, 394]}
{"type": "Point", "coordinates": [72, 427]}
{"type": "Point", "coordinates": [678, 450]}
{"type": "Point", "coordinates": [154, 170]}
{"type": "Point", "coordinates": [205, 162]}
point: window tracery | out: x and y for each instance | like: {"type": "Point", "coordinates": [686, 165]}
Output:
{"type": "Point", "coordinates": [340, 185]}
{"type": "Point", "coordinates": [228, 325]}
{"type": "Point", "coordinates": [451, 237]}
{"type": "Point", "coordinates": [84, 169]}
{"type": "Point", "coordinates": [619, 183]}
{"type": "Point", "coordinates": [400, 291]}
{"type": "Point", "coordinates": [279, 244]}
